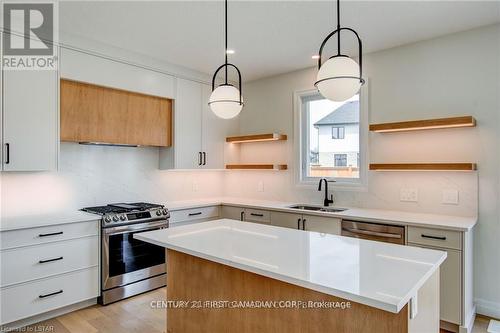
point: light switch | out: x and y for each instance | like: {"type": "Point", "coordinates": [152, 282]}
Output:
{"type": "Point", "coordinates": [408, 194]}
{"type": "Point", "coordinates": [450, 197]}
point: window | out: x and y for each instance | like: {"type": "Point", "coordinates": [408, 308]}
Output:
{"type": "Point", "coordinates": [340, 160]}
{"type": "Point", "coordinates": [330, 137]}
{"type": "Point", "coordinates": [338, 132]}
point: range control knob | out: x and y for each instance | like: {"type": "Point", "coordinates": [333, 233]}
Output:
{"type": "Point", "coordinates": [123, 218]}
{"type": "Point", "coordinates": [115, 218]}
{"type": "Point", "coordinates": [107, 219]}
{"type": "Point", "coordinates": [158, 212]}
{"type": "Point", "coordinates": [165, 212]}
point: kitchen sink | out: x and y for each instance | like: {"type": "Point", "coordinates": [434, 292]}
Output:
{"type": "Point", "coordinates": [318, 208]}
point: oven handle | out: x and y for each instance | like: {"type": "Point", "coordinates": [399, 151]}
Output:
{"type": "Point", "coordinates": [134, 228]}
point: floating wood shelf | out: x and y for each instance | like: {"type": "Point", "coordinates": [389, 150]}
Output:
{"type": "Point", "coordinates": [256, 138]}
{"type": "Point", "coordinates": [415, 125]}
{"type": "Point", "coordinates": [424, 166]}
{"type": "Point", "coordinates": [256, 166]}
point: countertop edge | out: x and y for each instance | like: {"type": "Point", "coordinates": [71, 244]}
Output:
{"type": "Point", "coordinates": [332, 292]}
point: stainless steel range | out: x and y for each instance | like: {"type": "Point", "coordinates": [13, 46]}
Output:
{"type": "Point", "coordinates": [130, 266]}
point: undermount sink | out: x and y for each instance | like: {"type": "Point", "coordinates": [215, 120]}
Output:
{"type": "Point", "coordinates": [318, 209]}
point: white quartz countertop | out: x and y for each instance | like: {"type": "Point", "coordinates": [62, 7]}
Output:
{"type": "Point", "coordinates": [381, 275]}
{"type": "Point", "coordinates": [42, 220]}
{"type": "Point", "coordinates": [460, 223]}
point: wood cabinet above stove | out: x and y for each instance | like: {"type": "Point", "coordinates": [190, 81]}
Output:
{"type": "Point", "coordinates": [97, 114]}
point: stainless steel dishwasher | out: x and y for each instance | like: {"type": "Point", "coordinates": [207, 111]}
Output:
{"type": "Point", "coordinates": [374, 231]}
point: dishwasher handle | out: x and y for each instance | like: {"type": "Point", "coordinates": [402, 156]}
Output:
{"type": "Point", "coordinates": [372, 233]}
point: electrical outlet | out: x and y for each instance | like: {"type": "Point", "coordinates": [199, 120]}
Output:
{"type": "Point", "coordinates": [408, 194]}
{"type": "Point", "coordinates": [260, 186]}
{"type": "Point", "coordinates": [194, 186]}
{"type": "Point", "coordinates": [450, 197]}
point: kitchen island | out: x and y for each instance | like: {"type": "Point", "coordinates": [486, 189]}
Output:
{"type": "Point", "coordinates": [231, 276]}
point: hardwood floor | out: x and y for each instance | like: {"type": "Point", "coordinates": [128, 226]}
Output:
{"type": "Point", "coordinates": [134, 315]}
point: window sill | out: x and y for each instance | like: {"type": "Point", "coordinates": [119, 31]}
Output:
{"type": "Point", "coordinates": [357, 186]}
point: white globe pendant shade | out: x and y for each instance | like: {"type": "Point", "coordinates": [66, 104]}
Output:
{"type": "Point", "coordinates": [225, 101]}
{"type": "Point", "coordinates": [338, 79]}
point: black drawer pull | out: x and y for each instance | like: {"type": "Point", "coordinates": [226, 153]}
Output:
{"type": "Point", "coordinates": [7, 160]}
{"type": "Point", "coordinates": [433, 237]}
{"type": "Point", "coordinates": [51, 234]}
{"type": "Point", "coordinates": [194, 214]}
{"type": "Point", "coordinates": [51, 294]}
{"type": "Point", "coordinates": [255, 214]}
{"type": "Point", "coordinates": [298, 223]}
{"type": "Point", "coordinates": [49, 260]}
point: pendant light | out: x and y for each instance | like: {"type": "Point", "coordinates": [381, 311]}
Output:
{"type": "Point", "coordinates": [225, 100]}
{"type": "Point", "coordinates": [340, 77]}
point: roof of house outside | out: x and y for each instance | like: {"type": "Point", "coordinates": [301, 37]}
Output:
{"type": "Point", "coordinates": [347, 113]}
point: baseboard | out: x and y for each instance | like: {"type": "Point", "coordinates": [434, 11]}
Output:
{"type": "Point", "coordinates": [469, 321]}
{"type": "Point", "coordinates": [487, 308]}
{"type": "Point", "coordinates": [47, 315]}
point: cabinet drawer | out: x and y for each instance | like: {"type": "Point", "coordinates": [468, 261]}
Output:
{"type": "Point", "coordinates": [435, 237]}
{"type": "Point", "coordinates": [29, 299]}
{"type": "Point", "coordinates": [230, 212]}
{"type": "Point", "coordinates": [194, 214]}
{"type": "Point", "coordinates": [41, 235]}
{"type": "Point", "coordinates": [257, 215]}
{"type": "Point", "coordinates": [39, 261]}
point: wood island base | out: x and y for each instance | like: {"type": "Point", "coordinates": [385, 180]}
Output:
{"type": "Point", "coordinates": [201, 282]}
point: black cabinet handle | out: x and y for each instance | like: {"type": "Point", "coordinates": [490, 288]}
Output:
{"type": "Point", "coordinates": [304, 224]}
{"type": "Point", "coordinates": [255, 214]}
{"type": "Point", "coordinates": [50, 260]}
{"type": "Point", "coordinates": [51, 294]}
{"type": "Point", "coordinates": [242, 216]}
{"type": "Point", "coordinates": [204, 158]}
{"type": "Point", "coordinates": [433, 237]}
{"type": "Point", "coordinates": [7, 159]}
{"type": "Point", "coordinates": [199, 158]}
{"type": "Point", "coordinates": [298, 223]}
{"type": "Point", "coordinates": [194, 214]}
{"type": "Point", "coordinates": [51, 234]}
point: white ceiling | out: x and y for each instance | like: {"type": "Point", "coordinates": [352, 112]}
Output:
{"type": "Point", "coordinates": [269, 37]}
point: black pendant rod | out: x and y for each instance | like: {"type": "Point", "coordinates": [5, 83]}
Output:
{"type": "Point", "coordinates": [338, 27]}
{"type": "Point", "coordinates": [225, 11]}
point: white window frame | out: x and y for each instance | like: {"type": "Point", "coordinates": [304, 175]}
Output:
{"type": "Point", "coordinates": [338, 128]}
{"type": "Point", "coordinates": [300, 144]}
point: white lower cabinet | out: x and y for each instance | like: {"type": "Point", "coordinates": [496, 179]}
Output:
{"type": "Point", "coordinates": [33, 298]}
{"type": "Point", "coordinates": [48, 268]}
{"type": "Point", "coordinates": [327, 225]}
{"type": "Point", "coordinates": [194, 214]}
{"type": "Point", "coordinates": [450, 294]}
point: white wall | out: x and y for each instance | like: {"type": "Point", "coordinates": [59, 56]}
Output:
{"type": "Point", "coordinates": [97, 175]}
{"type": "Point", "coordinates": [452, 75]}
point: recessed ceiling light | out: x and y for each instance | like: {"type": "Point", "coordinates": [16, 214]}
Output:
{"type": "Point", "coordinates": [230, 51]}
{"type": "Point", "coordinates": [316, 56]}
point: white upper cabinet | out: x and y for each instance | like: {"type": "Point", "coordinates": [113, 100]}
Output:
{"type": "Point", "coordinates": [187, 128]}
{"type": "Point", "coordinates": [30, 120]}
{"type": "Point", "coordinates": [199, 135]}
{"type": "Point", "coordinates": [84, 67]}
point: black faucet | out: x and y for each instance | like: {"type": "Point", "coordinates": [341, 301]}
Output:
{"type": "Point", "coordinates": [327, 201]}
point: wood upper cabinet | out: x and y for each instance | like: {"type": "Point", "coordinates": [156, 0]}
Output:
{"type": "Point", "coordinates": [92, 113]}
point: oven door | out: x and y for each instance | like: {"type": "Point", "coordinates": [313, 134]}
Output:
{"type": "Point", "coordinates": [125, 259]}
